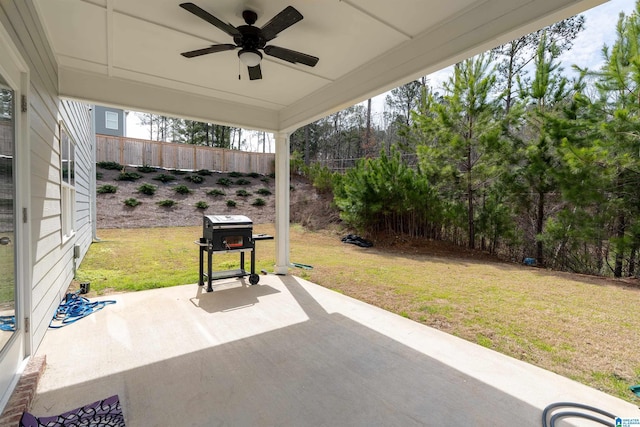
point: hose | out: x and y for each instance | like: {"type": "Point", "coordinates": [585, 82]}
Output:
{"type": "Point", "coordinates": [568, 413]}
{"type": "Point", "coordinates": [7, 323]}
{"type": "Point", "coordinates": [73, 308]}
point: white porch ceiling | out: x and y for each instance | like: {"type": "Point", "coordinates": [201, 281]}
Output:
{"type": "Point", "coordinates": [126, 53]}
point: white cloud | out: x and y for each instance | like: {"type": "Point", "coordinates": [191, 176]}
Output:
{"type": "Point", "coordinates": [600, 29]}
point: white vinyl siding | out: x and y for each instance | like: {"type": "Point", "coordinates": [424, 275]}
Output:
{"type": "Point", "coordinates": [51, 264]}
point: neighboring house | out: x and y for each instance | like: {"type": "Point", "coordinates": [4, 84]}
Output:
{"type": "Point", "coordinates": [110, 121]}
{"type": "Point", "coordinates": [47, 183]}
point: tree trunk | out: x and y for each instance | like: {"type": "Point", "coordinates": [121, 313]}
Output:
{"type": "Point", "coordinates": [539, 229]}
{"type": "Point", "coordinates": [621, 229]}
{"type": "Point", "coordinates": [307, 145]}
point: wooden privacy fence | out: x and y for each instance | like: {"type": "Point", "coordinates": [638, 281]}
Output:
{"type": "Point", "coordinates": [169, 155]}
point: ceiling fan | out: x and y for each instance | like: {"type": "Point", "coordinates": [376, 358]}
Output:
{"type": "Point", "coordinates": [250, 39]}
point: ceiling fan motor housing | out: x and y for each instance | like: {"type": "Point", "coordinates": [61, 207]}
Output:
{"type": "Point", "coordinates": [250, 37]}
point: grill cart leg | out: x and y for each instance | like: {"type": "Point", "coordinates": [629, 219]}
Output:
{"type": "Point", "coordinates": [209, 268]}
{"type": "Point", "coordinates": [200, 277]}
{"type": "Point", "coordinates": [253, 277]}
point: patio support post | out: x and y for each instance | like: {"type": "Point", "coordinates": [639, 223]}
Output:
{"type": "Point", "coordinates": [282, 203]}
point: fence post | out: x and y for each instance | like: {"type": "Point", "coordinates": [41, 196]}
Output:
{"type": "Point", "coordinates": [224, 160]}
{"type": "Point", "coordinates": [121, 146]}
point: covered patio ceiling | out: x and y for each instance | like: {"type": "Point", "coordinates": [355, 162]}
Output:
{"type": "Point", "coordinates": [126, 53]}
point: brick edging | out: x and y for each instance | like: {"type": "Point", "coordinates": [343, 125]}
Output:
{"type": "Point", "coordinates": [24, 392]}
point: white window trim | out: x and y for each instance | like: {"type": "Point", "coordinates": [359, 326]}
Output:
{"type": "Point", "coordinates": [67, 185]}
{"type": "Point", "coordinates": [111, 120]}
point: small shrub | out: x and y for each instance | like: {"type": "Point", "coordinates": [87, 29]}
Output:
{"type": "Point", "coordinates": [264, 179]}
{"type": "Point", "coordinates": [231, 204]}
{"type": "Point", "coordinates": [242, 193]}
{"type": "Point", "coordinates": [182, 189]}
{"type": "Point", "coordinates": [128, 176]}
{"type": "Point", "coordinates": [272, 175]}
{"type": "Point", "coordinates": [167, 203]}
{"type": "Point", "coordinates": [110, 165]}
{"type": "Point", "coordinates": [148, 189]}
{"type": "Point", "coordinates": [242, 181]}
{"type": "Point", "coordinates": [215, 192]}
{"type": "Point", "coordinates": [99, 175]}
{"type": "Point", "coordinates": [264, 192]}
{"type": "Point", "coordinates": [178, 172]}
{"type": "Point", "coordinates": [253, 175]}
{"type": "Point", "coordinates": [235, 174]}
{"type": "Point", "coordinates": [196, 179]}
{"type": "Point", "coordinates": [202, 205]}
{"type": "Point", "coordinates": [204, 172]}
{"type": "Point", "coordinates": [146, 169]}
{"type": "Point", "coordinates": [225, 182]}
{"type": "Point", "coordinates": [106, 189]}
{"type": "Point", "coordinates": [164, 178]}
{"type": "Point", "coordinates": [132, 203]}
{"type": "Point", "coordinates": [259, 202]}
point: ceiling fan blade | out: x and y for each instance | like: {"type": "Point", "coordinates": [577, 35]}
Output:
{"type": "Point", "coordinates": [283, 20]}
{"type": "Point", "coordinates": [211, 49]}
{"type": "Point", "coordinates": [291, 55]}
{"type": "Point", "coordinates": [203, 14]}
{"type": "Point", "coordinates": [255, 73]}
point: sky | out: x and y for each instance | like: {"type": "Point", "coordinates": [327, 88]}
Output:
{"type": "Point", "coordinates": [600, 24]}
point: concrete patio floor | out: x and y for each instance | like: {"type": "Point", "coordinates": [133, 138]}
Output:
{"type": "Point", "coordinates": [287, 352]}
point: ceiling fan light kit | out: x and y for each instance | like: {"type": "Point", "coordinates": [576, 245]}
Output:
{"type": "Point", "coordinates": [250, 57]}
{"type": "Point", "coordinates": [250, 40]}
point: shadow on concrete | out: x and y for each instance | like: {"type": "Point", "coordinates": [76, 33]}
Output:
{"type": "Point", "coordinates": [326, 371]}
{"type": "Point", "coordinates": [231, 297]}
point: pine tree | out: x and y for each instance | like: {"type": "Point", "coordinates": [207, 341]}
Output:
{"type": "Point", "coordinates": [464, 136]}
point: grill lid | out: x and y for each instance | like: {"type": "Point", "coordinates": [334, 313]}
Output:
{"type": "Point", "coordinates": [217, 220]}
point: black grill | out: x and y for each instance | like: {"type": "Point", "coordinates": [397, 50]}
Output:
{"type": "Point", "coordinates": [228, 234]}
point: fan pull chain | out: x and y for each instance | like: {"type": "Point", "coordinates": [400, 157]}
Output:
{"type": "Point", "coordinates": [239, 69]}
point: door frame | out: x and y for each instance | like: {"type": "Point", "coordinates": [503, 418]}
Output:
{"type": "Point", "coordinates": [16, 72]}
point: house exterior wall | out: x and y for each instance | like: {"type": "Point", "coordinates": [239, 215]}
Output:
{"type": "Point", "coordinates": [101, 122]}
{"type": "Point", "coordinates": [52, 263]}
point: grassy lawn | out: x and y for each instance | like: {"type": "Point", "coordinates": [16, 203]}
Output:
{"type": "Point", "coordinates": [580, 327]}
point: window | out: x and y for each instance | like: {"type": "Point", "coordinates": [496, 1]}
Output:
{"type": "Point", "coordinates": [68, 185]}
{"type": "Point", "coordinates": [111, 120]}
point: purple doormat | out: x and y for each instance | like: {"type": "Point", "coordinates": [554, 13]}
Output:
{"type": "Point", "coordinates": [103, 413]}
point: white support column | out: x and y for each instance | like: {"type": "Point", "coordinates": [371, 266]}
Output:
{"type": "Point", "coordinates": [282, 203]}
